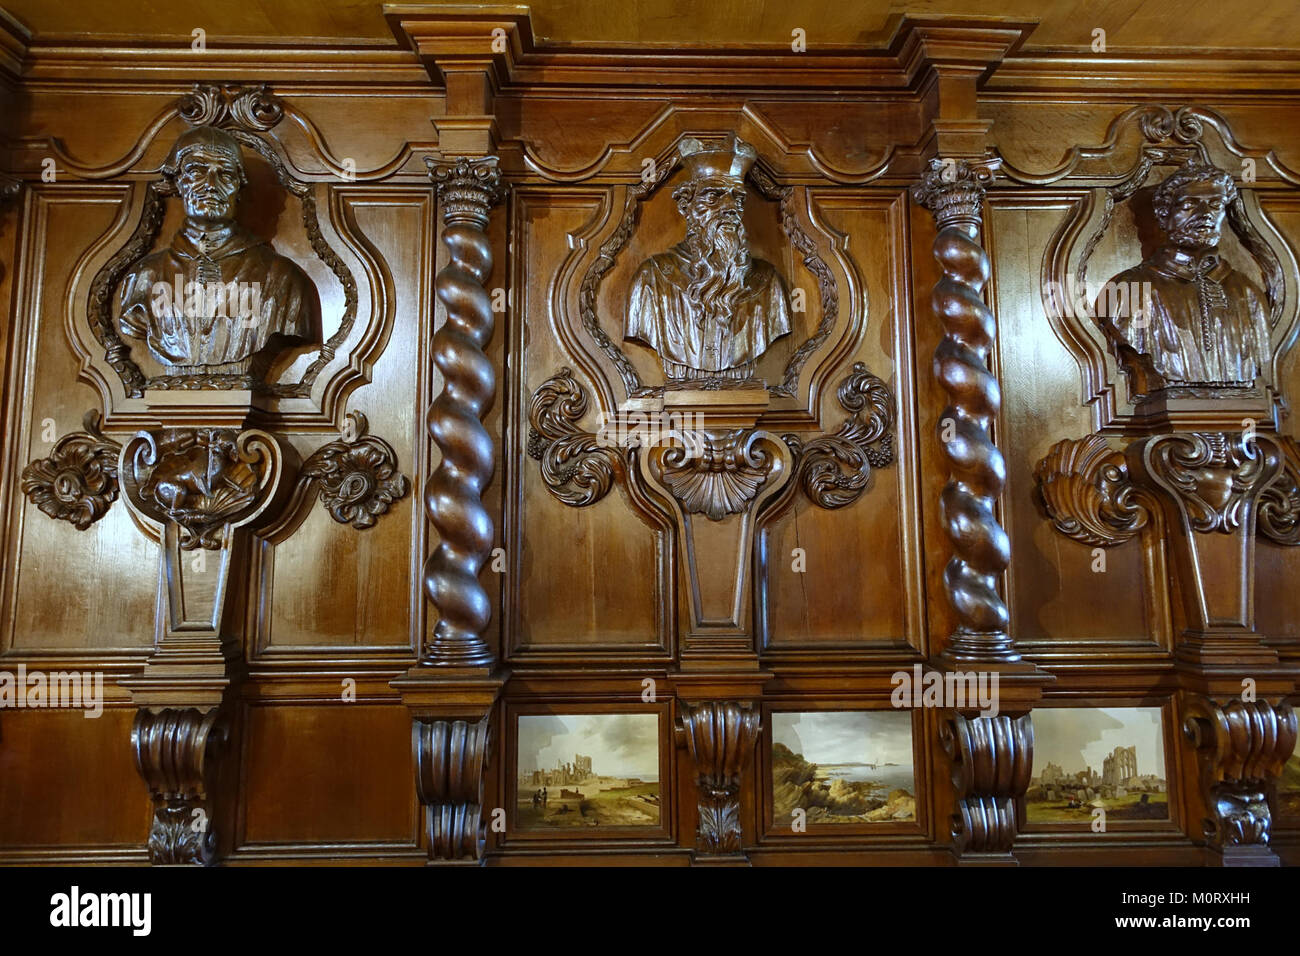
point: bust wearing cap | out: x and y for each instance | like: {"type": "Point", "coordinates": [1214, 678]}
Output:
{"type": "Point", "coordinates": [706, 306]}
{"type": "Point", "coordinates": [217, 300]}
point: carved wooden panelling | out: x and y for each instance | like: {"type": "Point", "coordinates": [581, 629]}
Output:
{"type": "Point", "coordinates": [456, 447]}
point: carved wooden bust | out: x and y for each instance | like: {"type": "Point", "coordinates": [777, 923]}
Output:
{"type": "Point", "coordinates": [706, 306]}
{"type": "Point", "coordinates": [1192, 318]}
{"type": "Point", "coordinates": [217, 300]}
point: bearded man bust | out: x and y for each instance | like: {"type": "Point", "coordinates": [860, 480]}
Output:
{"type": "Point", "coordinates": [706, 306]}
{"type": "Point", "coordinates": [1192, 319]}
{"type": "Point", "coordinates": [217, 300]}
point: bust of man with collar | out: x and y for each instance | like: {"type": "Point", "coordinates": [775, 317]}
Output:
{"type": "Point", "coordinates": [1188, 317]}
{"type": "Point", "coordinates": [217, 300]}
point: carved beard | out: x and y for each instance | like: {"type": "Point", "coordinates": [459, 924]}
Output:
{"type": "Point", "coordinates": [717, 262]}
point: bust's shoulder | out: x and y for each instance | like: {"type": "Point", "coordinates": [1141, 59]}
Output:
{"type": "Point", "coordinates": [662, 264]}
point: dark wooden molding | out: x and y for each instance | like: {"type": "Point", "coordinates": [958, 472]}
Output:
{"type": "Point", "coordinates": [175, 752]}
{"type": "Point", "coordinates": [720, 737]}
{"type": "Point", "coordinates": [1241, 747]}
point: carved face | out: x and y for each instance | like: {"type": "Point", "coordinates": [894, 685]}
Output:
{"type": "Point", "coordinates": [716, 206]}
{"type": "Point", "coordinates": [208, 181]}
{"type": "Point", "coordinates": [1195, 217]}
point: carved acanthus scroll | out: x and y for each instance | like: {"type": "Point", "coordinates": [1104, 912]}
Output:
{"type": "Point", "coordinates": [577, 466]}
{"type": "Point", "coordinates": [835, 469]}
{"type": "Point", "coordinates": [1088, 493]}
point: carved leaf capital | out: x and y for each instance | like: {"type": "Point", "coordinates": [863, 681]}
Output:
{"type": "Point", "coordinates": [467, 188]}
{"type": "Point", "coordinates": [953, 190]}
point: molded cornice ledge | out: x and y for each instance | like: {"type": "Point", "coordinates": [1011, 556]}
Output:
{"type": "Point", "coordinates": [498, 42]}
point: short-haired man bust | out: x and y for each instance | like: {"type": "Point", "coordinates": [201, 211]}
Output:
{"type": "Point", "coordinates": [1194, 320]}
{"type": "Point", "coordinates": [217, 300]}
{"type": "Point", "coordinates": [706, 306]}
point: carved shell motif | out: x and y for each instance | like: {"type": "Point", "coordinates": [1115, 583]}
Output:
{"type": "Point", "coordinates": [77, 483]}
{"type": "Point", "coordinates": [1085, 486]}
{"type": "Point", "coordinates": [718, 475]}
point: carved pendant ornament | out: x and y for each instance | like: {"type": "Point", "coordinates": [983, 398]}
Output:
{"type": "Point", "coordinates": [175, 750]}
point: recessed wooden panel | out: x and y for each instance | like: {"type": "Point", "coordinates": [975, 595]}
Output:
{"type": "Point", "coordinates": [328, 773]}
{"type": "Point", "coordinates": [69, 780]}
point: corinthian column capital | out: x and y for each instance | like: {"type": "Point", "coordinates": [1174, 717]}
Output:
{"type": "Point", "coordinates": [468, 188]}
{"type": "Point", "coordinates": [953, 190]}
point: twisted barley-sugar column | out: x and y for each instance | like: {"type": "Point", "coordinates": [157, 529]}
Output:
{"type": "Point", "coordinates": [953, 191]}
{"type": "Point", "coordinates": [467, 190]}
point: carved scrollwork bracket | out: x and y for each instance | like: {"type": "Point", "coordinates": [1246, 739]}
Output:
{"type": "Point", "coordinates": [175, 750]}
{"type": "Point", "coordinates": [720, 736]}
{"type": "Point", "coordinates": [451, 756]}
{"type": "Point", "coordinates": [1241, 747]}
{"type": "Point", "coordinates": [357, 475]}
{"type": "Point", "coordinates": [77, 482]}
{"type": "Point", "coordinates": [992, 759]}
{"type": "Point", "coordinates": [835, 469]}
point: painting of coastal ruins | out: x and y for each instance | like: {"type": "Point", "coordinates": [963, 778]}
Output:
{"type": "Point", "coordinates": [842, 767]}
{"type": "Point", "coordinates": [1097, 757]}
{"type": "Point", "coordinates": [588, 770]}
{"type": "Point", "coordinates": [1288, 785]}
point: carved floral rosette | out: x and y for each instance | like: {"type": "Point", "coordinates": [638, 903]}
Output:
{"type": "Point", "coordinates": [357, 476]}
{"type": "Point", "coordinates": [77, 482]}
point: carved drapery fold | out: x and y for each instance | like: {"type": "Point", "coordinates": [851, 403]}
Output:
{"type": "Point", "coordinates": [720, 737]}
{"type": "Point", "coordinates": [174, 753]}
{"type": "Point", "coordinates": [467, 190]}
{"type": "Point", "coordinates": [992, 759]}
{"type": "Point", "coordinates": [1241, 747]}
{"type": "Point", "coordinates": [450, 757]}
{"type": "Point", "coordinates": [953, 191]}
{"type": "Point", "coordinates": [77, 481]}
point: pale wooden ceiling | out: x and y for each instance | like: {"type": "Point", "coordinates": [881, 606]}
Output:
{"type": "Point", "coordinates": [1166, 25]}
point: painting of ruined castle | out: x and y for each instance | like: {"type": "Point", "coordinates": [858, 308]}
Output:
{"type": "Point", "coordinates": [588, 770]}
{"type": "Point", "coordinates": [842, 767]}
{"type": "Point", "coordinates": [1097, 757]}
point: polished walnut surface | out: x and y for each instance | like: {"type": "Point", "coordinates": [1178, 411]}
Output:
{"type": "Point", "coordinates": [326, 593]}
